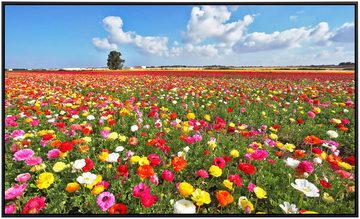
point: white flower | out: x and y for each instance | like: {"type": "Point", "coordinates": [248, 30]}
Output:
{"type": "Point", "coordinates": [332, 134]}
{"type": "Point", "coordinates": [119, 149]}
{"type": "Point", "coordinates": [346, 111]}
{"type": "Point", "coordinates": [75, 116]}
{"type": "Point", "coordinates": [181, 154]}
{"type": "Point", "coordinates": [90, 117]}
{"type": "Point", "coordinates": [306, 187]}
{"type": "Point", "coordinates": [134, 128]}
{"type": "Point", "coordinates": [174, 102]}
{"type": "Point", "coordinates": [86, 178]}
{"type": "Point", "coordinates": [317, 160]}
{"type": "Point", "coordinates": [48, 116]}
{"type": "Point", "coordinates": [79, 164]}
{"type": "Point", "coordinates": [186, 149]}
{"type": "Point", "coordinates": [113, 157]}
{"type": "Point", "coordinates": [290, 162]}
{"type": "Point", "coordinates": [289, 208]}
{"type": "Point", "coordinates": [184, 206]}
{"type": "Point", "coordinates": [51, 120]}
{"type": "Point", "coordinates": [62, 112]}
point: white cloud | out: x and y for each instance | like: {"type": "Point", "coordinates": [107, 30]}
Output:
{"type": "Point", "coordinates": [293, 17]}
{"type": "Point", "coordinates": [146, 44]}
{"type": "Point", "coordinates": [344, 34]}
{"type": "Point", "coordinates": [212, 22]}
{"type": "Point", "coordinates": [103, 44]}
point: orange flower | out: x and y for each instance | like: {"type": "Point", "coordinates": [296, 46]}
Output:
{"type": "Point", "coordinates": [55, 143]}
{"type": "Point", "coordinates": [133, 141]}
{"type": "Point", "coordinates": [178, 163]}
{"type": "Point", "coordinates": [278, 153]}
{"type": "Point", "coordinates": [299, 153]}
{"type": "Point", "coordinates": [145, 171]}
{"type": "Point", "coordinates": [224, 198]}
{"type": "Point", "coordinates": [333, 159]}
{"type": "Point", "coordinates": [312, 139]}
{"type": "Point", "coordinates": [72, 187]}
{"type": "Point", "coordinates": [78, 141]}
{"type": "Point", "coordinates": [83, 149]}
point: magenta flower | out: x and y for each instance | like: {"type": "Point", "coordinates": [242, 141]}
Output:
{"type": "Point", "coordinates": [154, 159]}
{"type": "Point", "coordinates": [236, 179]}
{"type": "Point", "coordinates": [10, 209]}
{"type": "Point", "coordinates": [141, 189]}
{"type": "Point", "coordinates": [34, 205]}
{"type": "Point", "coordinates": [202, 173]}
{"type": "Point", "coordinates": [311, 114]}
{"type": "Point", "coordinates": [17, 134]}
{"type": "Point", "coordinates": [54, 153]}
{"type": "Point", "coordinates": [305, 167]}
{"type": "Point", "coordinates": [259, 155]}
{"type": "Point", "coordinates": [220, 162]}
{"type": "Point", "coordinates": [154, 180]}
{"type": "Point", "coordinates": [32, 161]}
{"type": "Point", "coordinates": [104, 133]}
{"type": "Point", "coordinates": [23, 154]}
{"type": "Point", "coordinates": [15, 192]}
{"type": "Point", "coordinates": [251, 187]}
{"type": "Point", "coordinates": [105, 200]}
{"type": "Point", "coordinates": [23, 177]}
{"type": "Point", "coordinates": [167, 175]}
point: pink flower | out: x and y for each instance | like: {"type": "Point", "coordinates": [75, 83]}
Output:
{"type": "Point", "coordinates": [35, 122]}
{"type": "Point", "coordinates": [236, 179]}
{"type": "Point", "coordinates": [154, 180]}
{"type": "Point", "coordinates": [167, 175]}
{"type": "Point", "coordinates": [105, 133]}
{"type": "Point", "coordinates": [10, 209]}
{"type": "Point", "coordinates": [54, 153]}
{"type": "Point", "coordinates": [32, 161]}
{"type": "Point", "coordinates": [305, 167]}
{"type": "Point", "coordinates": [75, 127]}
{"type": "Point", "coordinates": [259, 155]}
{"type": "Point", "coordinates": [23, 154]}
{"type": "Point", "coordinates": [105, 200]}
{"type": "Point", "coordinates": [344, 174]}
{"type": "Point", "coordinates": [220, 162]}
{"type": "Point", "coordinates": [34, 205]}
{"type": "Point", "coordinates": [43, 143]}
{"type": "Point", "coordinates": [15, 192]}
{"type": "Point", "coordinates": [148, 200]}
{"type": "Point", "coordinates": [202, 173]}
{"type": "Point", "coordinates": [311, 114]}
{"type": "Point", "coordinates": [17, 134]}
{"type": "Point", "coordinates": [154, 159]}
{"type": "Point", "coordinates": [141, 189]}
{"type": "Point", "coordinates": [23, 177]}
{"type": "Point", "coordinates": [251, 187]}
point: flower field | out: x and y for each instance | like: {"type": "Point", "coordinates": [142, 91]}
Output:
{"type": "Point", "coordinates": [167, 142]}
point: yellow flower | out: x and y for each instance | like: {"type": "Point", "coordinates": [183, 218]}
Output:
{"type": "Point", "coordinates": [113, 136]}
{"type": "Point", "coordinates": [45, 180]}
{"type": "Point", "coordinates": [259, 192]}
{"type": "Point", "coordinates": [63, 155]}
{"type": "Point", "coordinates": [87, 139]}
{"type": "Point", "coordinates": [231, 124]}
{"type": "Point", "coordinates": [328, 198]}
{"type": "Point", "coordinates": [200, 197]}
{"type": "Point", "coordinates": [249, 150]}
{"type": "Point", "coordinates": [96, 181]}
{"type": "Point", "coordinates": [317, 110]}
{"type": "Point", "coordinates": [143, 161]}
{"type": "Point", "coordinates": [72, 187]}
{"type": "Point", "coordinates": [272, 129]}
{"type": "Point", "coordinates": [97, 190]}
{"type": "Point", "coordinates": [190, 116]}
{"type": "Point", "coordinates": [134, 159]}
{"type": "Point", "coordinates": [107, 128]}
{"type": "Point", "coordinates": [60, 166]}
{"type": "Point", "coordinates": [292, 120]}
{"type": "Point", "coordinates": [273, 136]}
{"type": "Point", "coordinates": [38, 167]}
{"type": "Point", "coordinates": [212, 144]}
{"type": "Point", "coordinates": [245, 203]}
{"type": "Point", "coordinates": [228, 184]}
{"type": "Point", "coordinates": [345, 165]}
{"type": "Point", "coordinates": [186, 189]}
{"type": "Point", "coordinates": [207, 117]}
{"type": "Point", "coordinates": [289, 147]}
{"type": "Point", "coordinates": [103, 156]}
{"type": "Point", "coordinates": [122, 137]}
{"type": "Point", "coordinates": [27, 120]}
{"type": "Point", "coordinates": [215, 171]}
{"type": "Point", "coordinates": [234, 153]}
{"type": "Point", "coordinates": [109, 166]}
{"type": "Point", "coordinates": [323, 155]}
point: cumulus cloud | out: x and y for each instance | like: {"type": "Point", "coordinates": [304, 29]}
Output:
{"type": "Point", "coordinates": [210, 33]}
{"type": "Point", "coordinates": [146, 44]}
{"type": "Point", "coordinates": [103, 44]}
{"type": "Point", "coordinates": [344, 34]}
{"type": "Point", "coordinates": [212, 22]}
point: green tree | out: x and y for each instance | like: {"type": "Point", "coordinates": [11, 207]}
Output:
{"type": "Point", "coordinates": [114, 60]}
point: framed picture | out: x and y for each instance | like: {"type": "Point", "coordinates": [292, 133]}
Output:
{"type": "Point", "coordinates": [173, 108]}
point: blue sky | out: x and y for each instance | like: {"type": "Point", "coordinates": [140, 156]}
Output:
{"type": "Point", "coordinates": [82, 36]}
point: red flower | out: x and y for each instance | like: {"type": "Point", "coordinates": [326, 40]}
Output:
{"type": "Point", "coordinates": [148, 200]}
{"type": "Point", "coordinates": [227, 158]}
{"type": "Point", "coordinates": [34, 205]}
{"type": "Point", "coordinates": [118, 209]}
{"type": "Point", "coordinates": [316, 150]}
{"type": "Point", "coordinates": [47, 137]}
{"type": "Point", "coordinates": [154, 159]}
{"type": "Point", "coordinates": [246, 168]}
{"type": "Point", "coordinates": [178, 163]}
{"type": "Point", "coordinates": [220, 162]}
{"type": "Point", "coordinates": [89, 165]}
{"type": "Point", "coordinates": [350, 160]}
{"type": "Point", "coordinates": [123, 169]}
{"type": "Point", "coordinates": [66, 146]}
{"type": "Point", "coordinates": [300, 121]}
{"type": "Point", "coordinates": [206, 152]}
{"type": "Point", "coordinates": [276, 126]}
{"type": "Point", "coordinates": [230, 110]}
{"type": "Point", "coordinates": [325, 184]}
